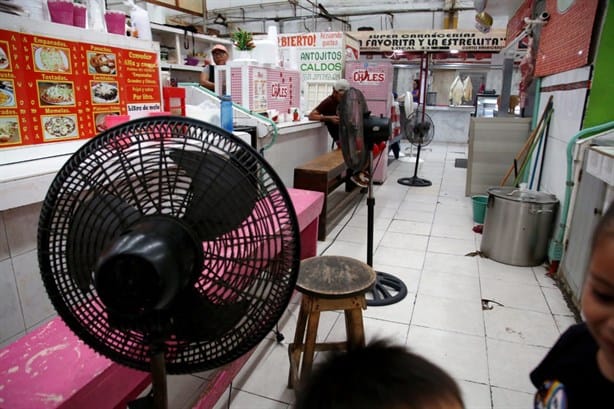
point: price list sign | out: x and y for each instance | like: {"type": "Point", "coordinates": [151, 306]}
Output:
{"type": "Point", "coordinates": [54, 90]}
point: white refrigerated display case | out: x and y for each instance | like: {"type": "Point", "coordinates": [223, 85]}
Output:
{"type": "Point", "coordinates": [486, 105]}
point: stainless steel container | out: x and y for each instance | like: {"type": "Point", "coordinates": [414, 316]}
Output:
{"type": "Point", "coordinates": [431, 98]}
{"type": "Point", "coordinates": [518, 225]}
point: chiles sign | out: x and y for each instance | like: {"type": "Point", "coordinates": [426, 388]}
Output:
{"type": "Point", "coordinates": [368, 76]}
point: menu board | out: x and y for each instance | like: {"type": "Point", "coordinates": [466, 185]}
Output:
{"type": "Point", "coordinates": [55, 90]}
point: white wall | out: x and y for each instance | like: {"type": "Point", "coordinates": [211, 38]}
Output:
{"type": "Point", "coordinates": [565, 123]}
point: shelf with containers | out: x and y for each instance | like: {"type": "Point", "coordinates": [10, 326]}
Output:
{"type": "Point", "coordinates": [177, 44]}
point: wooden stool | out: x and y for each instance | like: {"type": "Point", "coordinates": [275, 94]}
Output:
{"type": "Point", "coordinates": [328, 283]}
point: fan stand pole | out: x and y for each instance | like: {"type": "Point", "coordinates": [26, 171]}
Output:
{"type": "Point", "coordinates": [415, 180]}
{"type": "Point", "coordinates": [424, 75]}
{"type": "Point", "coordinates": [157, 398]}
{"type": "Point", "coordinates": [158, 381]}
{"type": "Point", "coordinates": [387, 289]}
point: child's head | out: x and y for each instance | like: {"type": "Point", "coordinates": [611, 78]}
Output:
{"type": "Point", "coordinates": [379, 376]}
{"type": "Point", "coordinates": [598, 292]}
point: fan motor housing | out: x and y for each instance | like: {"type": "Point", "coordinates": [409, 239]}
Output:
{"type": "Point", "coordinates": [146, 267]}
{"type": "Point", "coordinates": [377, 129]}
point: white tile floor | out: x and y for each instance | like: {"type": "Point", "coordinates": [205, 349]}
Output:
{"type": "Point", "coordinates": [422, 235]}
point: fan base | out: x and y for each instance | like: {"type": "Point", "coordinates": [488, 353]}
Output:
{"type": "Point", "coordinates": [387, 290]}
{"type": "Point", "coordinates": [414, 181]}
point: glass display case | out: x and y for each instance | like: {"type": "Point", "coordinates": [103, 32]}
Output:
{"type": "Point", "coordinates": [486, 105]}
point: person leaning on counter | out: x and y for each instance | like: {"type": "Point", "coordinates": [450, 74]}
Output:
{"type": "Point", "coordinates": [207, 76]}
{"type": "Point", "coordinates": [326, 111]}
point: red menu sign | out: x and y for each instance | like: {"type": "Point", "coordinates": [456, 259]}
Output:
{"type": "Point", "coordinates": [54, 90]}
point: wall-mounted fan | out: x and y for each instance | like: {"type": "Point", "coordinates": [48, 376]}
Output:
{"type": "Point", "coordinates": [359, 132]}
{"type": "Point", "coordinates": [166, 243]}
{"type": "Point", "coordinates": [419, 130]}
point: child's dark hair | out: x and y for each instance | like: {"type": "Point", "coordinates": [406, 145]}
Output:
{"type": "Point", "coordinates": [378, 376]}
{"type": "Point", "coordinates": [605, 227]}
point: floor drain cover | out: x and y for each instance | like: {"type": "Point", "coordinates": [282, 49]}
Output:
{"type": "Point", "coordinates": [460, 163]}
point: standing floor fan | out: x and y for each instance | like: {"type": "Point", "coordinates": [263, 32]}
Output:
{"type": "Point", "coordinates": [168, 244]}
{"type": "Point", "coordinates": [419, 130]}
{"type": "Point", "coordinates": [359, 132]}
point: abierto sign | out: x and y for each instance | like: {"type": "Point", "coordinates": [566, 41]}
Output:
{"type": "Point", "coordinates": [430, 40]}
{"type": "Point", "coordinates": [318, 56]}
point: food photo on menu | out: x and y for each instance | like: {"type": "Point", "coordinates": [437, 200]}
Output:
{"type": "Point", "coordinates": [51, 59]}
{"type": "Point", "coordinates": [59, 127]}
{"type": "Point", "coordinates": [9, 130]}
{"type": "Point", "coordinates": [105, 92]}
{"type": "Point", "coordinates": [7, 94]}
{"type": "Point", "coordinates": [56, 93]}
{"type": "Point", "coordinates": [4, 59]}
{"type": "Point", "coordinates": [99, 120]}
{"type": "Point", "coordinates": [101, 63]}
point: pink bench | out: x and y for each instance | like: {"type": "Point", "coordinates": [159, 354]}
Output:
{"type": "Point", "coordinates": [51, 367]}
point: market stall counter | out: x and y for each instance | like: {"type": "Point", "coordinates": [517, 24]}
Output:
{"type": "Point", "coordinates": [451, 122]}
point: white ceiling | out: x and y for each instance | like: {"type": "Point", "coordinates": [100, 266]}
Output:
{"type": "Point", "coordinates": [246, 9]}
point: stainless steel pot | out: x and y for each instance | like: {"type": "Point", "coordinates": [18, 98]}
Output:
{"type": "Point", "coordinates": [431, 98]}
{"type": "Point", "coordinates": [518, 225]}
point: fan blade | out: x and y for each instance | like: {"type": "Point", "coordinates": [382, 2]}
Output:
{"type": "Point", "coordinates": [216, 180]}
{"type": "Point", "coordinates": [352, 111]}
{"type": "Point", "coordinates": [94, 224]}
{"type": "Point", "coordinates": [196, 318]}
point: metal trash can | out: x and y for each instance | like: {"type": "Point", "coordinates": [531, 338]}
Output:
{"type": "Point", "coordinates": [518, 225]}
{"type": "Point", "coordinates": [431, 98]}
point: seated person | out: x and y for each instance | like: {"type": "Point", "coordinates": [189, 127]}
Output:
{"type": "Point", "coordinates": [327, 111]}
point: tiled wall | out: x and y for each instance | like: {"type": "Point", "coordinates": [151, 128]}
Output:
{"type": "Point", "coordinates": [23, 300]}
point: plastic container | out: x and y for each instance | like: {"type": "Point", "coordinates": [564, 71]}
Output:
{"type": "Point", "coordinates": [518, 226]}
{"type": "Point", "coordinates": [115, 21]}
{"type": "Point", "coordinates": [226, 113]}
{"type": "Point", "coordinates": [479, 208]}
{"type": "Point", "coordinates": [95, 15]}
{"type": "Point", "coordinates": [79, 15]}
{"type": "Point", "coordinates": [174, 100]}
{"type": "Point", "coordinates": [140, 22]}
{"type": "Point", "coordinates": [61, 11]}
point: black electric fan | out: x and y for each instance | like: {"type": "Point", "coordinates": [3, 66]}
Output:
{"type": "Point", "coordinates": [359, 131]}
{"type": "Point", "coordinates": [168, 244]}
{"type": "Point", "coordinates": [419, 130]}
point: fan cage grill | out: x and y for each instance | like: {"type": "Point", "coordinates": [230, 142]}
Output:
{"type": "Point", "coordinates": [127, 173]}
{"type": "Point", "coordinates": [419, 128]}
{"type": "Point", "coordinates": [353, 108]}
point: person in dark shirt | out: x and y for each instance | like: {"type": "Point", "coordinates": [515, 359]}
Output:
{"type": "Point", "coordinates": [327, 110]}
{"type": "Point", "coordinates": [578, 371]}
{"type": "Point", "coordinates": [395, 147]}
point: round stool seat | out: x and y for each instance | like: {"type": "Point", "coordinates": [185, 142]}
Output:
{"type": "Point", "coordinates": [328, 283]}
{"type": "Point", "coordinates": [334, 276]}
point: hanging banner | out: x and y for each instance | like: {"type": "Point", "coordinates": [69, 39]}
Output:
{"type": "Point", "coordinates": [430, 40]}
